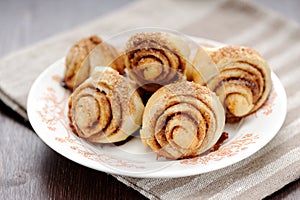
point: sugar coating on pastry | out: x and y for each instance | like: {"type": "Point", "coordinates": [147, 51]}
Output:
{"type": "Point", "coordinates": [154, 59]}
{"type": "Point", "coordinates": [85, 55]}
{"type": "Point", "coordinates": [105, 108]}
{"type": "Point", "coordinates": [182, 120]}
{"type": "Point", "coordinates": [243, 81]}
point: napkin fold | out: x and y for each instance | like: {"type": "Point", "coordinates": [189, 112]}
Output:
{"type": "Point", "coordinates": [228, 21]}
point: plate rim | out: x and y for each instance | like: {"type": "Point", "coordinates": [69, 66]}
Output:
{"type": "Point", "coordinates": [155, 174]}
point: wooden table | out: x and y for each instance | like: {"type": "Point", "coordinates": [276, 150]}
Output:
{"type": "Point", "coordinates": [28, 168]}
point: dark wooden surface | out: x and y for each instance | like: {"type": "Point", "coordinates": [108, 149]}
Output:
{"type": "Point", "coordinates": [28, 168]}
{"type": "Point", "coordinates": [31, 170]}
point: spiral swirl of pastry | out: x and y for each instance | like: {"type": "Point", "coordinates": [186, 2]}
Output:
{"type": "Point", "coordinates": [243, 82]}
{"type": "Point", "coordinates": [85, 55]}
{"type": "Point", "coordinates": [182, 120]}
{"type": "Point", "coordinates": [154, 59]}
{"type": "Point", "coordinates": [105, 108]}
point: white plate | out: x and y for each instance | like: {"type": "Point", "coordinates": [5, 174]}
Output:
{"type": "Point", "coordinates": [47, 111]}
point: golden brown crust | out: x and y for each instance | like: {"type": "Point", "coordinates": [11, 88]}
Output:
{"type": "Point", "coordinates": [233, 52]}
{"type": "Point", "coordinates": [182, 120]}
{"type": "Point", "coordinates": [154, 59]}
{"type": "Point", "coordinates": [243, 82]}
{"type": "Point", "coordinates": [77, 64]}
{"type": "Point", "coordinates": [105, 108]}
{"type": "Point", "coordinates": [87, 53]}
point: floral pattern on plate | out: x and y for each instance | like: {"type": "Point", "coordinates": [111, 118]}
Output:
{"type": "Point", "coordinates": [47, 110]}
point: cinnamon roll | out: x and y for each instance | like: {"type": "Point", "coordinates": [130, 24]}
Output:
{"type": "Point", "coordinates": [154, 59]}
{"type": "Point", "coordinates": [244, 80]}
{"type": "Point", "coordinates": [85, 55]}
{"type": "Point", "coordinates": [105, 108]}
{"type": "Point", "coordinates": [182, 120]}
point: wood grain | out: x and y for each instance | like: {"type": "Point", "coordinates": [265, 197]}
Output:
{"type": "Point", "coordinates": [28, 168]}
{"type": "Point", "coordinates": [31, 170]}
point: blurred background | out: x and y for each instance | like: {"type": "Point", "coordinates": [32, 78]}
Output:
{"type": "Point", "coordinates": [24, 22]}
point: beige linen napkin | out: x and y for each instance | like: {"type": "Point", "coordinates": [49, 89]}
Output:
{"type": "Point", "coordinates": [228, 21]}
